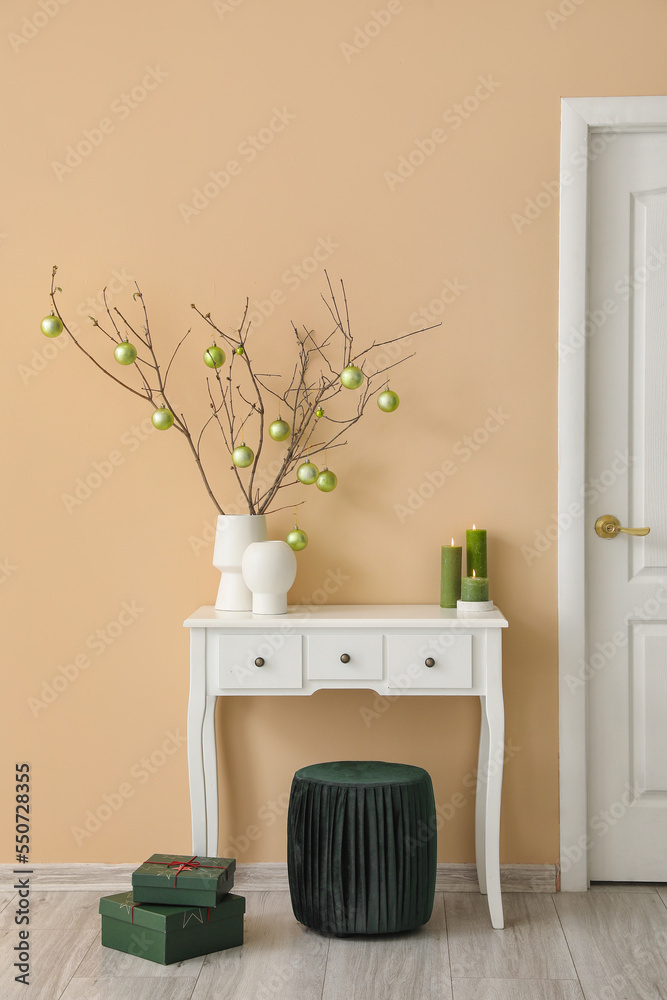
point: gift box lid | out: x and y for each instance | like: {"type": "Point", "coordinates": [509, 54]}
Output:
{"type": "Point", "coordinates": [160, 917]}
{"type": "Point", "coordinates": [169, 870]}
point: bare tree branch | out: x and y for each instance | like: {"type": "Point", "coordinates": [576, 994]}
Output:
{"type": "Point", "coordinates": [314, 382]}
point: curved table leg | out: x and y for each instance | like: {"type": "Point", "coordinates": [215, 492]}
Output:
{"type": "Point", "coordinates": [480, 798]}
{"type": "Point", "coordinates": [490, 777]}
{"type": "Point", "coordinates": [196, 714]}
{"type": "Point", "coordinates": [210, 777]}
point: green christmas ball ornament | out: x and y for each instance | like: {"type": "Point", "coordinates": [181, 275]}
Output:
{"type": "Point", "coordinates": [327, 481]}
{"type": "Point", "coordinates": [388, 401]}
{"type": "Point", "coordinates": [52, 326]}
{"type": "Point", "coordinates": [307, 473]}
{"type": "Point", "coordinates": [297, 539]}
{"type": "Point", "coordinates": [243, 456]}
{"type": "Point", "coordinates": [280, 430]}
{"type": "Point", "coordinates": [125, 353]}
{"type": "Point", "coordinates": [319, 412]}
{"type": "Point", "coordinates": [162, 418]}
{"type": "Point", "coordinates": [351, 377]}
{"type": "Point", "coordinates": [240, 349]}
{"type": "Point", "coordinates": [214, 356]}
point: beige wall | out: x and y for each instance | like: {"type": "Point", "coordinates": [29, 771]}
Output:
{"type": "Point", "coordinates": [219, 71]}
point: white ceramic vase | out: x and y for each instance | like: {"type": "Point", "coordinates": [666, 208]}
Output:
{"type": "Point", "coordinates": [233, 534]}
{"type": "Point", "coordinates": [269, 570]}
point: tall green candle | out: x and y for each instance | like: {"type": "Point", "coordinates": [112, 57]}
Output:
{"type": "Point", "coordinates": [450, 575]}
{"type": "Point", "coordinates": [476, 551]}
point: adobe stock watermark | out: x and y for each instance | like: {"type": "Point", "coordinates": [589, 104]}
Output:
{"type": "Point", "coordinates": [139, 773]}
{"type": "Point", "coordinates": [267, 814]}
{"type": "Point", "coordinates": [644, 957]}
{"type": "Point", "coordinates": [604, 652]}
{"type": "Point", "coordinates": [40, 357]}
{"type": "Point", "coordinates": [223, 7]}
{"type": "Point", "coordinates": [271, 643]}
{"type": "Point", "coordinates": [311, 947]}
{"type": "Point", "coordinates": [549, 192]}
{"type": "Point", "coordinates": [248, 150]}
{"type": "Point", "coordinates": [445, 811]}
{"type": "Point", "coordinates": [591, 491]}
{"type": "Point", "coordinates": [7, 570]}
{"type": "Point", "coordinates": [566, 8]}
{"type": "Point", "coordinates": [97, 643]}
{"type": "Point", "coordinates": [382, 357]}
{"type": "Point", "coordinates": [103, 469]}
{"type": "Point", "coordinates": [453, 118]}
{"type": "Point", "coordinates": [262, 307]}
{"type": "Point", "coordinates": [464, 449]}
{"type": "Point", "coordinates": [414, 672]}
{"type": "Point", "coordinates": [599, 826]}
{"type": "Point", "coordinates": [120, 110]}
{"type": "Point", "coordinates": [374, 26]}
{"type": "Point", "coordinates": [32, 24]}
{"type": "Point", "coordinates": [624, 286]}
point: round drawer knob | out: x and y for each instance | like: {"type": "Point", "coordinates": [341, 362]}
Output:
{"type": "Point", "coordinates": [345, 658]}
{"type": "Point", "coordinates": [429, 661]}
{"type": "Point", "coordinates": [259, 662]}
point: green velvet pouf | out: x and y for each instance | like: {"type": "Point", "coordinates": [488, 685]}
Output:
{"type": "Point", "coordinates": [361, 847]}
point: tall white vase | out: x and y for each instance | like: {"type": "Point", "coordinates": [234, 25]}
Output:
{"type": "Point", "coordinates": [269, 569]}
{"type": "Point", "coordinates": [233, 534]}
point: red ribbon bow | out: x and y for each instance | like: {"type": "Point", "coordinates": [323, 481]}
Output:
{"type": "Point", "coordinates": [190, 865]}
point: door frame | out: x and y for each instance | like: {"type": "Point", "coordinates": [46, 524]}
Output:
{"type": "Point", "coordinates": [580, 118]}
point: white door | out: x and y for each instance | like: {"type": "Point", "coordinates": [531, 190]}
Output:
{"type": "Point", "coordinates": [626, 575]}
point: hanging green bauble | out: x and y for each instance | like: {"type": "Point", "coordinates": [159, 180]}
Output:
{"type": "Point", "coordinates": [297, 539]}
{"type": "Point", "coordinates": [352, 377]}
{"type": "Point", "coordinates": [125, 353]}
{"type": "Point", "coordinates": [214, 356]}
{"type": "Point", "coordinates": [279, 430]}
{"type": "Point", "coordinates": [327, 481]}
{"type": "Point", "coordinates": [243, 456]}
{"type": "Point", "coordinates": [388, 401]}
{"type": "Point", "coordinates": [319, 412]}
{"type": "Point", "coordinates": [162, 418]}
{"type": "Point", "coordinates": [307, 473]}
{"type": "Point", "coordinates": [52, 326]}
{"type": "Point", "coordinates": [240, 349]}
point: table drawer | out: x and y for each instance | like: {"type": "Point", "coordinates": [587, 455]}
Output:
{"type": "Point", "coordinates": [417, 661]}
{"type": "Point", "coordinates": [260, 661]}
{"type": "Point", "coordinates": [344, 656]}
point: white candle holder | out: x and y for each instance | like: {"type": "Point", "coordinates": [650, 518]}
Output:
{"type": "Point", "coordinates": [473, 607]}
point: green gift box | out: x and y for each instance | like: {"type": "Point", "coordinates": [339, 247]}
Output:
{"type": "Point", "coordinates": [167, 934]}
{"type": "Point", "coordinates": [183, 880]}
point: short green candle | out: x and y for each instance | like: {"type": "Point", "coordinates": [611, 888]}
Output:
{"type": "Point", "coordinates": [450, 575]}
{"type": "Point", "coordinates": [476, 551]}
{"type": "Point", "coordinates": [474, 588]}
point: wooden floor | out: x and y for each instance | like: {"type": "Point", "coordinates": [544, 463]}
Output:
{"type": "Point", "coordinates": [607, 944]}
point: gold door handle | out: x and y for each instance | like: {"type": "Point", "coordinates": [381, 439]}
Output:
{"type": "Point", "coordinates": [609, 526]}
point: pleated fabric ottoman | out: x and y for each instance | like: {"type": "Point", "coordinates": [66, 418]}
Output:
{"type": "Point", "coordinates": [361, 847]}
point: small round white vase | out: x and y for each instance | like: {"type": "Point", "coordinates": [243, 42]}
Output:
{"type": "Point", "coordinates": [269, 570]}
{"type": "Point", "coordinates": [233, 534]}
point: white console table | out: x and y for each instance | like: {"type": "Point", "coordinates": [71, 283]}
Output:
{"type": "Point", "coordinates": [392, 649]}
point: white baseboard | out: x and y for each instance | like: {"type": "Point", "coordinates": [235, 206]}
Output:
{"type": "Point", "coordinates": [269, 877]}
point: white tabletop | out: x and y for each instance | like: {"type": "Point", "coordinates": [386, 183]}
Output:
{"type": "Point", "coordinates": [348, 615]}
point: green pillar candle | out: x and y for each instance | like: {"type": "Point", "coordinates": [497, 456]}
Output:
{"type": "Point", "coordinates": [474, 588]}
{"type": "Point", "coordinates": [476, 551]}
{"type": "Point", "coordinates": [450, 575]}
